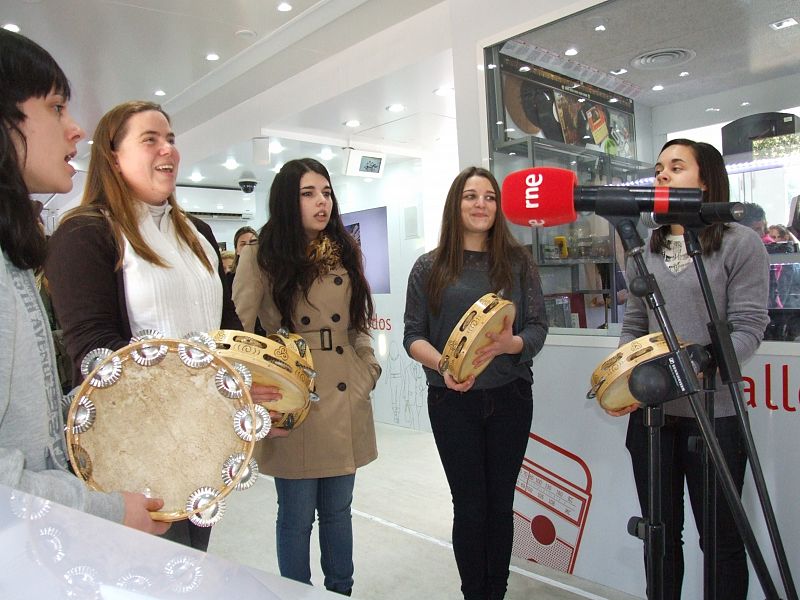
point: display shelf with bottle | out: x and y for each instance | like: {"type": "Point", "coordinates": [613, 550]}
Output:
{"type": "Point", "coordinates": [580, 261]}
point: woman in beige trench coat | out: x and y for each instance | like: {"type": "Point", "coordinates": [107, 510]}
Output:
{"type": "Point", "coordinates": [306, 275]}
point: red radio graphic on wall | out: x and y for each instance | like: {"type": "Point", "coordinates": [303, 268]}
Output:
{"type": "Point", "coordinates": [554, 490]}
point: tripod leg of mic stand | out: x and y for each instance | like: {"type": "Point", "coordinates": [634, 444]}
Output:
{"type": "Point", "coordinates": [710, 505]}
{"type": "Point", "coordinates": [654, 525]}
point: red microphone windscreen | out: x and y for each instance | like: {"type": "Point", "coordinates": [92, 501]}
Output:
{"type": "Point", "coordinates": [540, 197]}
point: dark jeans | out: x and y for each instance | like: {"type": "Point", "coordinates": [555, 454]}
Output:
{"type": "Point", "coordinates": [481, 436]}
{"type": "Point", "coordinates": [679, 463]}
{"type": "Point", "coordinates": [189, 534]}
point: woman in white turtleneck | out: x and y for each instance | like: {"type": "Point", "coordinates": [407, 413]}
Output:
{"type": "Point", "coordinates": [128, 258]}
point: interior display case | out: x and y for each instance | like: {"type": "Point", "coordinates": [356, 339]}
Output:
{"type": "Point", "coordinates": [581, 263]}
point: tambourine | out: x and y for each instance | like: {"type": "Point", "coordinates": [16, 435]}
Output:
{"type": "Point", "coordinates": [168, 418]}
{"type": "Point", "coordinates": [282, 360]}
{"type": "Point", "coordinates": [484, 316]}
{"type": "Point", "coordinates": [610, 379]}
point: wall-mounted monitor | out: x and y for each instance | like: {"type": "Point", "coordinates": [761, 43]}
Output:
{"type": "Point", "coordinates": [365, 163]}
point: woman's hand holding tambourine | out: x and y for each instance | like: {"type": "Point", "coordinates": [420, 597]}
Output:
{"type": "Point", "coordinates": [452, 384]}
{"type": "Point", "coordinates": [503, 342]}
{"type": "Point", "coordinates": [137, 513]}
{"type": "Point", "coordinates": [264, 394]}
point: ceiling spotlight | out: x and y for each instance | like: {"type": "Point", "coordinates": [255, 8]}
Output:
{"type": "Point", "coordinates": [712, 109]}
{"type": "Point", "coordinates": [600, 28]}
{"type": "Point", "coordinates": [326, 154]}
{"type": "Point", "coordinates": [524, 69]}
{"type": "Point", "coordinates": [11, 27]}
{"type": "Point", "coordinates": [211, 56]}
{"type": "Point", "coordinates": [444, 91]}
{"type": "Point", "coordinates": [231, 164]}
{"type": "Point", "coordinates": [284, 7]}
{"type": "Point", "coordinates": [275, 147]}
{"type": "Point", "coordinates": [352, 123]}
{"type": "Point", "coordinates": [614, 100]}
{"type": "Point", "coordinates": [160, 93]}
{"type": "Point", "coordinates": [196, 176]}
{"type": "Point", "coordinates": [783, 24]}
{"type": "Point", "coordinates": [571, 51]}
{"type": "Point", "coordinates": [620, 71]}
{"type": "Point", "coordinates": [683, 74]}
{"type": "Point", "coordinates": [657, 88]}
{"type": "Point", "coordinates": [745, 103]}
{"type": "Point", "coordinates": [396, 107]}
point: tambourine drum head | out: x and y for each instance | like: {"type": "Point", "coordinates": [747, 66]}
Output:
{"type": "Point", "coordinates": [164, 430]}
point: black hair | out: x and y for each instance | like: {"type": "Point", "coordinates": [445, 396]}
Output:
{"type": "Point", "coordinates": [26, 71]}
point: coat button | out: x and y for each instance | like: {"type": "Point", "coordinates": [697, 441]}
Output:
{"type": "Point", "coordinates": [335, 317]}
{"type": "Point", "coordinates": [338, 280]}
{"type": "Point", "coordinates": [342, 386]}
{"type": "Point", "coordinates": [339, 350]}
{"type": "Point", "coordinates": [305, 320]}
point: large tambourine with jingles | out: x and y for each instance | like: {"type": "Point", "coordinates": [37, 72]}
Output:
{"type": "Point", "coordinates": [168, 418]}
{"type": "Point", "coordinates": [610, 379]}
{"type": "Point", "coordinates": [486, 315]}
{"type": "Point", "coordinates": [282, 360]}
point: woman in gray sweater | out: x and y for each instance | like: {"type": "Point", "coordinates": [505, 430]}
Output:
{"type": "Point", "coordinates": [37, 138]}
{"type": "Point", "coordinates": [481, 425]}
{"type": "Point", "coordinates": [738, 271]}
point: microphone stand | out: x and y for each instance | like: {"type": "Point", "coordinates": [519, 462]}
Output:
{"type": "Point", "coordinates": [651, 529]}
{"type": "Point", "coordinates": [730, 373]}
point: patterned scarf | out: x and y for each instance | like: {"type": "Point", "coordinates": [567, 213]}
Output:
{"type": "Point", "coordinates": [324, 253]}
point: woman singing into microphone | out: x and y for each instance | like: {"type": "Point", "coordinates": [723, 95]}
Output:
{"type": "Point", "coordinates": [737, 267]}
{"type": "Point", "coordinates": [481, 425]}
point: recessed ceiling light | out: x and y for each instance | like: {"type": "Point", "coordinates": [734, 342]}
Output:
{"type": "Point", "coordinates": [196, 176]}
{"type": "Point", "coordinates": [491, 66]}
{"type": "Point", "coordinates": [524, 69]}
{"type": "Point", "coordinates": [284, 7]}
{"type": "Point", "coordinates": [571, 51]}
{"type": "Point", "coordinates": [352, 123]}
{"type": "Point", "coordinates": [396, 107]}
{"type": "Point", "coordinates": [712, 109]}
{"type": "Point", "coordinates": [326, 154]}
{"type": "Point", "coordinates": [683, 74]}
{"type": "Point", "coordinates": [620, 71]}
{"type": "Point", "coordinates": [211, 56]}
{"type": "Point", "coordinates": [11, 27]}
{"type": "Point", "coordinates": [745, 103]}
{"type": "Point", "coordinates": [658, 87]}
{"type": "Point", "coordinates": [614, 100]}
{"type": "Point", "coordinates": [231, 164]}
{"type": "Point", "coordinates": [160, 93]}
{"type": "Point", "coordinates": [600, 28]}
{"type": "Point", "coordinates": [275, 147]}
{"type": "Point", "coordinates": [245, 34]}
{"type": "Point", "coordinates": [783, 24]}
{"type": "Point", "coordinates": [444, 91]}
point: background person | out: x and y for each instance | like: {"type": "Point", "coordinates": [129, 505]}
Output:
{"type": "Point", "coordinates": [129, 259]}
{"type": "Point", "coordinates": [37, 138]}
{"type": "Point", "coordinates": [481, 426]}
{"type": "Point", "coordinates": [737, 267]}
{"type": "Point", "coordinates": [307, 275]}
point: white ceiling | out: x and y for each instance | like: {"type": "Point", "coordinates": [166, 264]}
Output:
{"type": "Point", "coordinates": [115, 50]}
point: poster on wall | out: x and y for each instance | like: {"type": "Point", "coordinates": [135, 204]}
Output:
{"type": "Point", "coordinates": [369, 229]}
{"type": "Point", "coordinates": [544, 104]}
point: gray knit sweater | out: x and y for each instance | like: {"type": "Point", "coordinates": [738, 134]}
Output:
{"type": "Point", "coordinates": [32, 444]}
{"type": "Point", "coordinates": [739, 278]}
{"type": "Point", "coordinates": [530, 322]}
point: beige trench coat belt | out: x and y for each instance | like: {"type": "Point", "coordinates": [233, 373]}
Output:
{"type": "Point", "coordinates": [326, 339]}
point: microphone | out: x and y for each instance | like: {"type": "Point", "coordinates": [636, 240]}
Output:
{"type": "Point", "coordinates": [710, 213]}
{"type": "Point", "coordinates": [545, 196]}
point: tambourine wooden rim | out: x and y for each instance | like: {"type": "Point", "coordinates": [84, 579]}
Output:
{"type": "Point", "coordinates": [485, 315]}
{"type": "Point", "coordinates": [124, 357]}
{"type": "Point", "coordinates": [609, 380]}
{"type": "Point", "coordinates": [282, 360]}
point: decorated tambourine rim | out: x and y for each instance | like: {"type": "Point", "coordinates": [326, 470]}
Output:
{"type": "Point", "coordinates": [103, 368]}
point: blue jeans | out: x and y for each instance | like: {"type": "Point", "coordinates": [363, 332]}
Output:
{"type": "Point", "coordinates": [298, 500]}
{"type": "Point", "coordinates": [481, 436]}
{"type": "Point", "coordinates": [679, 463]}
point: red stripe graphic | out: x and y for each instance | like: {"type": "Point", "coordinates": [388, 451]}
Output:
{"type": "Point", "coordinates": [661, 200]}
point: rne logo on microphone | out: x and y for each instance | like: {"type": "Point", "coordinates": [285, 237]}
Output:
{"type": "Point", "coordinates": [532, 183]}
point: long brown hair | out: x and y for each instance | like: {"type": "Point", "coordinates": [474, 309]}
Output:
{"type": "Point", "coordinates": [715, 177]}
{"type": "Point", "coordinates": [107, 194]}
{"type": "Point", "coordinates": [282, 247]}
{"type": "Point", "coordinates": [448, 260]}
